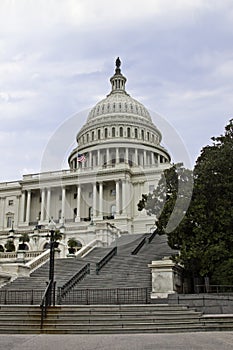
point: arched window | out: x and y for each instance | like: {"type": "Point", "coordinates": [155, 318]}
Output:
{"type": "Point", "coordinates": [106, 132]}
{"type": "Point", "coordinates": [79, 245]}
{"type": "Point", "coordinates": [113, 132]}
{"type": "Point", "coordinates": [121, 131]}
{"type": "Point", "coordinates": [75, 212]}
{"type": "Point", "coordinates": [113, 210]}
{"type": "Point", "coordinates": [148, 136]}
{"type": "Point", "coordinates": [136, 133]}
{"type": "Point", "coordinates": [87, 137]}
{"type": "Point", "coordinates": [59, 214]}
{"type": "Point", "coordinates": [90, 212]}
{"type": "Point", "coordinates": [46, 246]}
{"type": "Point", "coordinates": [98, 134]}
{"type": "Point", "coordinates": [142, 134]}
{"type": "Point", "coordinates": [128, 132]}
{"type": "Point", "coordinates": [92, 135]}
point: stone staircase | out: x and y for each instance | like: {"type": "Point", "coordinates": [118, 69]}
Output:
{"type": "Point", "coordinates": [108, 319]}
{"type": "Point", "coordinates": [122, 271]}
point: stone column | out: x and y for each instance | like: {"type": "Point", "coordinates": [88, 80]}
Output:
{"type": "Point", "coordinates": [117, 197]}
{"type": "Point", "coordinates": [125, 190]}
{"type": "Point", "coordinates": [48, 204]}
{"type": "Point", "coordinates": [126, 155]}
{"type": "Point", "coordinates": [108, 157]}
{"type": "Point", "coordinates": [94, 201]}
{"type": "Point", "coordinates": [22, 207]}
{"type": "Point", "coordinates": [16, 218]}
{"type": "Point", "coordinates": [117, 155]}
{"type": "Point", "coordinates": [90, 155]}
{"type": "Point", "coordinates": [2, 211]}
{"type": "Point", "coordinates": [136, 156]}
{"type": "Point", "coordinates": [101, 199]}
{"type": "Point", "coordinates": [28, 206]}
{"type": "Point", "coordinates": [77, 219]}
{"type": "Point", "coordinates": [98, 158]}
{"type": "Point", "coordinates": [42, 208]}
{"type": "Point", "coordinates": [63, 204]}
{"type": "Point", "coordinates": [144, 156]}
{"type": "Point", "coordinates": [152, 158]}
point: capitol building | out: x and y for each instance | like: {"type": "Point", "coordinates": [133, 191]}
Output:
{"type": "Point", "coordinates": [118, 157]}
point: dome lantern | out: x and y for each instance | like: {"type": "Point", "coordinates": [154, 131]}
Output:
{"type": "Point", "coordinates": [118, 80]}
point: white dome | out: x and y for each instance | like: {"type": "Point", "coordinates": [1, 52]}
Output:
{"type": "Point", "coordinates": [117, 103]}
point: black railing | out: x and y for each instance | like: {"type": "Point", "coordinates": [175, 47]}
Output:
{"type": "Point", "coordinates": [48, 299]}
{"type": "Point", "coordinates": [213, 288]}
{"type": "Point", "coordinates": [67, 287]}
{"type": "Point", "coordinates": [139, 246]}
{"type": "Point", "coordinates": [21, 297]}
{"type": "Point", "coordinates": [152, 236]}
{"type": "Point", "coordinates": [115, 296]}
{"type": "Point", "coordinates": [105, 260]}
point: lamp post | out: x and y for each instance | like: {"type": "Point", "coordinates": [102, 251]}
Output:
{"type": "Point", "coordinates": [51, 228]}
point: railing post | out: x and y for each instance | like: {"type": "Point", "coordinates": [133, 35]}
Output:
{"type": "Point", "coordinates": [59, 297]}
{"type": "Point", "coordinates": [54, 293]}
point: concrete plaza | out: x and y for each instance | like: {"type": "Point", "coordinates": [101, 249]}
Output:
{"type": "Point", "coordinates": [187, 341]}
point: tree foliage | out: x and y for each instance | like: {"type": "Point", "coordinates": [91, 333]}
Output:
{"type": "Point", "coordinates": [204, 235]}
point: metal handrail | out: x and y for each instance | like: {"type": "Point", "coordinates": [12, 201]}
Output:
{"type": "Point", "coordinates": [139, 246]}
{"type": "Point", "coordinates": [152, 236]}
{"type": "Point", "coordinates": [78, 276]}
{"type": "Point", "coordinates": [105, 259]}
{"type": "Point", "coordinates": [46, 301]}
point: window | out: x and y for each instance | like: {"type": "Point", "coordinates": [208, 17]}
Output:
{"type": "Point", "coordinates": [90, 211]}
{"type": "Point", "coordinates": [142, 134]}
{"type": "Point", "coordinates": [136, 133]}
{"type": "Point", "coordinates": [75, 195]}
{"type": "Point", "coordinates": [87, 137]}
{"type": "Point", "coordinates": [113, 210]}
{"type": "Point", "coordinates": [10, 202]}
{"type": "Point", "coordinates": [113, 132]}
{"type": "Point", "coordinates": [105, 132]}
{"type": "Point", "coordinates": [128, 132]}
{"type": "Point", "coordinates": [113, 192]}
{"type": "Point", "coordinates": [148, 136]}
{"type": "Point", "coordinates": [121, 131]}
{"type": "Point", "coordinates": [92, 135]}
{"type": "Point", "coordinates": [59, 214]}
{"type": "Point", "coordinates": [98, 134]}
{"type": "Point", "coordinates": [9, 221]}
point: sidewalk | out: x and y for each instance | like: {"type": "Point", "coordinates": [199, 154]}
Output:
{"type": "Point", "coordinates": [186, 341]}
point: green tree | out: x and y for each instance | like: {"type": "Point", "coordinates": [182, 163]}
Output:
{"type": "Point", "coordinates": [204, 235]}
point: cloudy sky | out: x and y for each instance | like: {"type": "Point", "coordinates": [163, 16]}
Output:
{"type": "Point", "coordinates": [56, 58]}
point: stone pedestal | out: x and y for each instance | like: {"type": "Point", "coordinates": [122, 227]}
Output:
{"type": "Point", "coordinates": [166, 278]}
